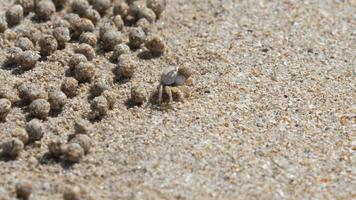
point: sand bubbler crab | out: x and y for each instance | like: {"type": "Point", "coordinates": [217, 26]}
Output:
{"type": "Point", "coordinates": [174, 84]}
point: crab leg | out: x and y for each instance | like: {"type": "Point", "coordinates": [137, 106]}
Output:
{"type": "Point", "coordinates": [160, 93]}
{"type": "Point", "coordinates": [168, 91]}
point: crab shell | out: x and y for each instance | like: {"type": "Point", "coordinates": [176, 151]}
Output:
{"type": "Point", "coordinates": [173, 76]}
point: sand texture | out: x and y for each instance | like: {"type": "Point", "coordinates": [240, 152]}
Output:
{"type": "Point", "coordinates": [272, 113]}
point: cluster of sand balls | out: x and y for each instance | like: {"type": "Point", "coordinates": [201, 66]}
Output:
{"type": "Point", "coordinates": [115, 27]}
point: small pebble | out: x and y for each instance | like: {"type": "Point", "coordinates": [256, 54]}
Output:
{"type": "Point", "coordinates": [27, 5]}
{"type": "Point", "coordinates": [14, 15]}
{"type": "Point", "coordinates": [158, 6]}
{"type": "Point", "coordinates": [88, 38]}
{"type": "Point", "coordinates": [12, 147]}
{"type": "Point", "coordinates": [70, 86]}
{"type": "Point", "coordinates": [110, 39]}
{"type": "Point", "coordinates": [84, 72]}
{"type": "Point", "coordinates": [86, 50]}
{"type": "Point", "coordinates": [125, 67]}
{"type": "Point", "coordinates": [83, 140]}
{"type": "Point", "coordinates": [73, 152]}
{"type": "Point", "coordinates": [45, 9]}
{"type": "Point", "coordinates": [76, 59]}
{"type": "Point", "coordinates": [100, 106]}
{"type": "Point", "coordinates": [21, 134]}
{"type": "Point", "coordinates": [29, 59]}
{"type": "Point", "coordinates": [119, 50]}
{"type": "Point", "coordinates": [57, 99]}
{"type": "Point", "coordinates": [138, 95]}
{"type": "Point", "coordinates": [40, 108]}
{"type": "Point", "coordinates": [80, 6]}
{"type": "Point", "coordinates": [121, 9]}
{"type": "Point", "coordinates": [92, 15]}
{"type": "Point", "coordinates": [30, 91]}
{"type": "Point", "coordinates": [24, 43]}
{"type": "Point", "coordinates": [100, 5]}
{"type": "Point", "coordinates": [3, 24]}
{"type": "Point", "coordinates": [82, 126]}
{"type": "Point", "coordinates": [62, 35]}
{"type": "Point", "coordinates": [5, 108]}
{"type": "Point", "coordinates": [48, 45]}
{"type": "Point", "coordinates": [137, 37]}
{"type": "Point", "coordinates": [104, 82]}
{"type": "Point", "coordinates": [35, 130]}
{"type": "Point", "coordinates": [155, 44]}
{"type": "Point", "coordinates": [23, 190]}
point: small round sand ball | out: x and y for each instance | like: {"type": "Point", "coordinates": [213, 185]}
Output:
{"type": "Point", "coordinates": [135, 7]}
{"type": "Point", "coordinates": [40, 108]}
{"type": "Point", "coordinates": [144, 24]}
{"type": "Point", "coordinates": [24, 43]}
{"type": "Point", "coordinates": [88, 38]}
{"type": "Point", "coordinates": [119, 23]}
{"type": "Point", "coordinates": [73, 152]}
{"type": "Point", "coordinates": [111, 39]}
{"type": "Point", "coordinates": [56, 148]}
{"type": "Point", "coordinates": [138, 95]}
{"type": "Point", "coordinates": [106, 27]}
{"type": "Point", "coordinates": [110, 97]}
{"type": "Point", "coordinates": [121, 9]}
{"type": "Point", "coordinates": [100, 106]}
{"type": "Point", "coordinates": [137, 37]}
{"type": "Point", "coordinates": [72, 18]}
{"type": "Point", "coordinates": [57, 99]}
{"type": "Point", "coordinates": [60, 22]}
{"type": "Point", "coordinates": [82, 126]}
{"type": "Point", "coordinates": [9, 93]}
{"type": "Point", "coordinates": [83, 140]}
{"type": "Point", "coordinates": [27, 5]}
{"type": "Point", "coordinates": [125, 67]}
{"type": "Point", "coordinates": [14, 55]}
{"type": "Point", "coordinates": [21, 134]}
{"type": "Point", "coordinates": [92, 15]}
{"type": "Point", "coordinates": [86, 50]}
{"type": "Point", "coordinates": [48, 45]}
{"type": "Point", "coordinates": [119, 50]}
{"type": "Point", "coordinates": [76, 59]}
{"type": "Point", "coordinates": [84, 72]}
{"type": "Point", "coordinates": [157, 6]}
{"type": "Point", "coordinates": [147, 14]}
{"type": "Point", "coordinates": [29, 59]}
{"type": "Point", "coordinates": [72, 193]}
{"type": "Point", "coordinates": [62, 35]}
{"type": "Point", "coordinates": [35, 130]}
{"type": "Point", "coordinates": [5, 108]}
{"type": "Point", "coordinates": [12, 147]}
{"type": "Point", "coordinates": [70, 86]}
{"type": "Point", "coordinates": [3, 25]}
{"type": "Point", "coordinates": [14, 15]}
{"type": "Point", "coordinates": [45, 9]}
{"type": "Point", "coordinates": [60, 3]}
{"type": "Point", "coordinates": [84, 25]}
{"type": "Point", "coordinates": [23, 190]}
{"type": "Point", "coordinates": [100, 5]}
{"type": "Point", "coordinates": [155, 44]}
{"type": "Point", "coordinates": [30, 91]}
{"type": "Point", "coordinates": [80, 6]}
{"type": "Point", "coordinates": [101, 84]}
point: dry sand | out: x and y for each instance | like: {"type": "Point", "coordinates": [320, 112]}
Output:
{"type": "Point", "coordinates": [272, 115]}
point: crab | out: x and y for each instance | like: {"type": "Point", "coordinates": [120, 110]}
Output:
{"type": "Point", "coordinates": [174, 84]}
